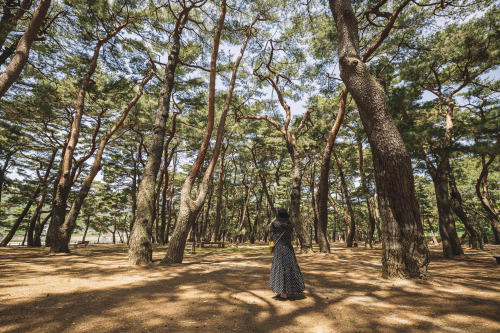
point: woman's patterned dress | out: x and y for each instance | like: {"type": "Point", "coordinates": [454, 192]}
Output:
{"type": "Point", "coordinates": [286, 277]}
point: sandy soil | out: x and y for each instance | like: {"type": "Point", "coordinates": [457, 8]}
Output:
{"type": "Point", "coordinates": [223, 290]}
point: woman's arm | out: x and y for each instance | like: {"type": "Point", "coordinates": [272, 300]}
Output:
{"type": "Point", "coordinates": [271, 225]}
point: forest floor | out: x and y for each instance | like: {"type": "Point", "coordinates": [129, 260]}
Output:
{"type": "Point", "coordinates": [223, 290]}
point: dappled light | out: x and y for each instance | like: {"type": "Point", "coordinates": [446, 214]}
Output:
{"type": "Point", "coordinates": [94, 289]}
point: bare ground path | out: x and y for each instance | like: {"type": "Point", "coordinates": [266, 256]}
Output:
{"type": "Point", "coordinates": [223, 290]}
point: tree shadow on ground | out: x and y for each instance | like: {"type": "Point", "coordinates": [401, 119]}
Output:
{"type": "Point", "coordinates": [223, 291]}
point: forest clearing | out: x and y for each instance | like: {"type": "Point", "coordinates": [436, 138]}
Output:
{"type": "Point", "coordinates": [360, 138]}
{"type": "Point", "coordinates": [225, 290]}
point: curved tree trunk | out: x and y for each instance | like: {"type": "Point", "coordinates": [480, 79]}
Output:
{"type": "Point", "coordinates": [35, 218]}
{"type": "Point", "coordinates": [405, 253]}
{"type": "Point", "coordinates": [140, 250]}
{"type": "Point", "coordinates": [63, 234]}
{"type": "Point", "coordinates": [16, 224]}
{"type": "Point", "coordinates": [482, 181]}
{"type": "Point", "coordinates": [456, 205]}
{"type": "Point", "coordinates": [189, 208]}
{"type": "Point", "coordinates": [16, 65]}
{"type": "Point", "coordinates": [14, 228]}
{"type": "Point", "coordinates": [10, 18]}
{"type": "Point", "coordinates": [324, 174]}
{"type": "Point", "coordinates": [37, 239]}
{"type": "Point", "coordinates": [59, 238]}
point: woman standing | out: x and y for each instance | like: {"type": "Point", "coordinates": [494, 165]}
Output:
{"type": "Point", "coordinates": [286, 278]}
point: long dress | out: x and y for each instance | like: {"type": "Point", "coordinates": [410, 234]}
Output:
{"type": "Point", "coordinates": [286, 277]}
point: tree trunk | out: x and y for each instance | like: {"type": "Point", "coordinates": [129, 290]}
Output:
{"type": "Point", "coordinates": [189, 208]}
{"type": "Point", "coordinates": [170, 200]}
{"type": "Point", "coordinates": [218, 207]}
{"type": "Point", "coordinates": [10, 19]}
{"type": "Point", "coordinates": [351, 226]}
{"type": "Point", "coordinates": [168, 159]}
{"type": "Point", "coordinates": [447, 228]}
{"type": "Point", "coordinates": [3, 170]}
{"type": "Point", "coordinates": [37, 241]}
{"type": "Point", "coordinates": [405, 253]}
{"type": "Point", "coordinates": [245, 207]}
{"type": "Point", "coordinates": [16, 224]}
{"type": "Point", "coordinates": [13, 230]}
{"type": "Point", "coordinates": [203, 231]}
{"type": "Point", "coordinates": [63, 234]}
{"type": "Point", "coordinates": [304, 237]}
{"type": "Point", "coordinates": [86, 228]}
{"type": "Point", "coordinates": [35, 218]}
{"type": "Point", "coordinates": [456, 204]}
{"type": "Point", "coordinates": [364, 186]}
{"type": "Point", "coordinates": [323, 187]}
{"type": "Point", "coordinates": [434, 240]}
{"type": "Point", "coordinates": [140, 250]}
{"type": "Point", "coordinates": [61, 230]}
{"type": "Point", "coordinates": [16, 65]}
{"type": "Point", "coordinates": [482, 181]}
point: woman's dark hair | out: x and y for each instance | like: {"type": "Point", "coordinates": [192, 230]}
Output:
{"type": "Point", "coordinates": [282, 215]}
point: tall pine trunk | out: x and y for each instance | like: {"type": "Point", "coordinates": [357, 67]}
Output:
{"type": "Point", "coordinates": [16, 65]}
{"type": "Point", "coordinates": [189, 208]}
{"type": "Point", "coordinates": [218, 207]}
{"type": "Point", "coordinates": [447, 228]}
{"type": "Point", "coordinates": [405, 253]}
{"type": "Point", "coordinates": [140, 249]}
{"type": "Point", "coordinates": [351, 225]}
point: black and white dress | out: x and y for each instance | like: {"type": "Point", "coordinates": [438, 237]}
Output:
{"type": "Point", "coordinates": [286, 277]}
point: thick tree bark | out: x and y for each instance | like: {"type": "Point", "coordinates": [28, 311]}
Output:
{"type": "Point", "coordinates": [133, 189]}
{"type": "Point", "coordinates": [189, 208]}
{"type": "Point", "coordinates": [140, 250]}
{"type": "Point", "coordinates": [405, 253]}
{"type": "Point", "coordinates": [16, 65]}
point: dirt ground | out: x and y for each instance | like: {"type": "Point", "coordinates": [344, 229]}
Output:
{"type": "Point", "coordinates": [222, 290]}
